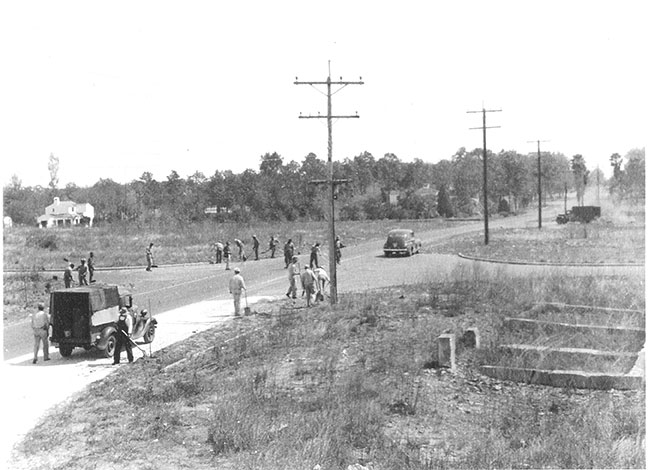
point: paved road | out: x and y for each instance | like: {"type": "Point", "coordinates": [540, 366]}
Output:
{"type": "Point", "coordinates": [189, 299]}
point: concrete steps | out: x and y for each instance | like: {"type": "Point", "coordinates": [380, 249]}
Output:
{"type": "Point", "coordinates": [566, 347]}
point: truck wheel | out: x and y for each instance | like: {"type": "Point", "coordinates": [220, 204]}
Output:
{"type": "Point", "coordinates": [110, 346]}
{"type": "Point", "coordinates": [149, 336]}
{"type": "Point", "coordinates": [66, 350]}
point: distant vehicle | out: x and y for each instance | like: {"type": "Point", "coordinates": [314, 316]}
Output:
{"type": "Point", "coordinates": [402, 242]}
{"type": "Point", "coordinates": [580, 214]}
{"type": "Point", "coordinates": [86, 317]}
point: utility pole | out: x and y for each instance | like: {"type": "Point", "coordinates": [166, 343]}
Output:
{"type": "Point", "coordinates": [332, 183]}
{"type": "Point", "coordinates": [483, 127]}
{"type": "Point", "coordinates": [539, 183]}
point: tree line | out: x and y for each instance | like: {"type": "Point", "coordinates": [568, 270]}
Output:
{"type": "Point", "coordinates": [380, 188]}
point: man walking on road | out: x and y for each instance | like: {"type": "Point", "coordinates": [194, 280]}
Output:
{"type": "Point", "coordinates": [40, 327]}
{"type": "Point", "coordinates": [293, 273]}
{"type": "Point", "coordinates": [236, 287]}
{"type": "Point", "coordinates": [124, 330]}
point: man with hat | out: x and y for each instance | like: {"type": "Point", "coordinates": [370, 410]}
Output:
{"type": "Point", "coordinates": [124, 330]}
{"type": "Point", "coordinates": [293, 274]}
{"type": "Point", "coordinates": [40, 327]}
{"type": "Point", "coordinates": [236, 287]}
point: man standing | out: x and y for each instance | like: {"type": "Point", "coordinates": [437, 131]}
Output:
{"type": "Point", "coordinates": [272, 246]}
{"type": "Point", "coordinates": [255, 247]}
{"type": "Point", "coordinates": [40, 327]}
{"type": "Point", "coordinates": [289, 251]}
{"type": "Point", "coordinates": [227, 253]}
{"type": "Point", "coordinates": [314, 256]}
{"type": "Point", "coordinates": [83, 273]}
{"type": "Point", "coordinates": [91, 268]}
{"type": "Point", "coordinates": [124, 330]}
{"type": "Point", "coordinates": [149, 257]}
{"type": "Point", "coordinates": [219, 252]}
{"type": "Point", "coordinates": [308, 280]}
{"type": "Point", "coordinates": [293, 273]}
{"type": "Point", "coordinates": [338, 250]}
{"type": "Point", "coordinates": [236, 287]}
{"type": "Point", "coordinates": [241, 251]}
{"type": "Point", "coordinates": [68, 275]}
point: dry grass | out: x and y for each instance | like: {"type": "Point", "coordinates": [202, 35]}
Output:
{"type": "Point", "coordinates": [352, 384]}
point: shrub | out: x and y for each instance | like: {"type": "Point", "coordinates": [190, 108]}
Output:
{"type": "Point", "coordinates": [46, 241]}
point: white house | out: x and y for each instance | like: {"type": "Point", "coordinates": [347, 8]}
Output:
{"type": "Point", "coordinates": [66, 214]}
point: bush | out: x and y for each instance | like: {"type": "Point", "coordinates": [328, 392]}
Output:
{"type": "Point", "coordinates": [46, 241]}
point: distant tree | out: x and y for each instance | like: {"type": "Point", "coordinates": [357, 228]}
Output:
{"type": "Point", "coordinates": [270, 164]}
{"type": "Point", "coordinates": [53, 167]}
{"type": "Point", "coordinates": [616, 183]}
{"type": "Point", "coordinates": [580, 172]}
{"type": "Point", "coordinates": [635, 175]}
{"type": "Point", "coordinates": [389, 171]}
{"type": "Point", "coordinates": [444, 206]}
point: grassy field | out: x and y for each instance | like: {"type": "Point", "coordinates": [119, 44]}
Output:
{"type": "Point", "coordinates": [354, 384]}
{"type": "Point", "coordinates": [357, 384]}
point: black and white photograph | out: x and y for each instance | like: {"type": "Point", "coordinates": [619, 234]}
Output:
{"type": "Point", "coordinates": [294, 235]}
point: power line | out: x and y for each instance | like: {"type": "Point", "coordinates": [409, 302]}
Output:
{"type": "Point", "coordinates": [484, 127]}
{"type": "Point", "coordinates": [331, 182]}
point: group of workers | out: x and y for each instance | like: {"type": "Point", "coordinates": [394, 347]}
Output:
{"type": "Point", "coordinates": [85, 272]}
{"type": "Point", "coordinates": [313, 279]}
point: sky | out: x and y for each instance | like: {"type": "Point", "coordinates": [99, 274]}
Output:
{"type": "Point", "coordinates": [116, 89]}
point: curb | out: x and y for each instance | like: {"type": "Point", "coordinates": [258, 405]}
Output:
{"type": "Point", "coordinates": [538, 263]}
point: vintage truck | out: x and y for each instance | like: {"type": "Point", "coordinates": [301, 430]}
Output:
{"type": "Point", "coordinates": [584, 214]}
{"type": "Point", "coordinates": [86, 317]}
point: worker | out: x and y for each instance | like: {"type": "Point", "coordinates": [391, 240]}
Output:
{"type": "Point", "coordinates": [68, 277]}
{"type": "Point", "coordinates": [255, 247]}
{"type": "Point", "coordinates": [124, 331]}
{"type": "Point", "coordinates": [293, 274]}
{"type": "Point", "coordinates": [314, 256]}
{"type": "Point", "coordinates": [289, 251]}
{"type": "Point", "coordinates": [227, 254]}
{"type": "Point", "coordinates": [308, 281]}
{"type": "Point", "coordinates": [236, 288]}
{"type": "Point", "coordinates": [149, 257]}
{"type": "Point", "coordinates": [83, 273]}
{"type": "Point", "coordinates": [40, 327]}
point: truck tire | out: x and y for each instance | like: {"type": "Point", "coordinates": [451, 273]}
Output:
{"type": "Point", "coordinates": [111, 343]}
{"type": "Point", "coordinates": [66, 350]}
{"type": "Point", "coordinates": [149, 336]}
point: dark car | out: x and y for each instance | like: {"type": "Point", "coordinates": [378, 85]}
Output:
{"type": "Point", "coordinates": [86, 317]}
{"type": "Point", "coordinates": [401, 242]}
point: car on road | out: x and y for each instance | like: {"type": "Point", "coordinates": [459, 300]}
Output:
{"type": "Point", "coordinates": [401, 242]}
{"type": "Point", "coordinates": [86, 317]}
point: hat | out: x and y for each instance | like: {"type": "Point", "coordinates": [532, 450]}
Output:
{"type": "Point", "coordinates": [237, 270]}
{"type": "Point", "coordinates": [122, 310]}
{"type": "Point", "coordinates": [294, 258]}
{"type": "Point", "coordinates": [41, 306]}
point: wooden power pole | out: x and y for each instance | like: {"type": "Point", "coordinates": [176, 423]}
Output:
{"type": "Point", "coordinates": [539, 183]}
{"type": "Point", "coordinates": [330, 182]}
{"type": "Point", "coordinates": [483, 127]}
